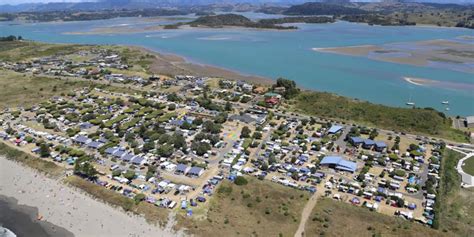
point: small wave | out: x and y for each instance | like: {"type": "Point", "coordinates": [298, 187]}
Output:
{"type": "Point", "coordinates": [4, 232]}
{"type": "Point", "coordinates": [214, 38]}
{"type": "Point", "coordinates": [414, 81]}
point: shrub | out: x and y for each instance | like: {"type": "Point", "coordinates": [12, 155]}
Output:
{"type": "Point", "coordinates": [240, 180]}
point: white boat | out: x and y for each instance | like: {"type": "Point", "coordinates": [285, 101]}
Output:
{"type": "Point", "coordinates": [410, 103]}
{"type": "Point", "coordinates": [445, 102]}
{"type": "Point", "coordinates": [447, 108]}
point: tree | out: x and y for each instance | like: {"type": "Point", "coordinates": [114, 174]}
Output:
{"type": "Point", "coordinates": [245, 132]}
{"type": "Point", "coordinates": [228, 106]}
{"type": "Point", "coordinates": [139, 197]}
{"type": "Point", "coordinates": [116, 173]}
{"type": "Point", "coordinates": [290, 87]}
{"type": "Point", "coordinates": [130, 174]}
{"type": "Point", "coordinates": [374, 133]}
{"type": "Point", "coordinates": [240, 180]}
{"type": "Point", "coordinates": [257, 135]}
{"type": "Point", "coordinates": [171, 107]}
{"type": "Point", "coordinates": [44, 150]}
{"type": "Point", "coordinates": [200, 148]}
{"type": "Point", "coordinates": [165, 150]}
{"type": "Point", "coordinates": [148, 146]}
{"type": "Point", "coordinates": [150, 172]}
{"type": "Point", "coordinates": [212, 127]}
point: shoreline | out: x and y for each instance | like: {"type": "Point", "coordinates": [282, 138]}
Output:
{"type": "Point", "coordinates": [70, 208]}
{"type": "Point", "coordinates": [161, 65]}
{"type": "Point", "coordinates": [22, 220]}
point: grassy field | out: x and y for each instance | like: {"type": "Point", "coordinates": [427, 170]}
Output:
{"type": "Point", "coordinates": [151, 213]}
{"type": "Point", "coordinates": [468, 166]}
{"type": "Point", "coordinates": [260, 208]}
{"type": "Point", "coordinates": [333, 218]}
{"type": "Point", "coordinates": [23, 90]}
{"type": "Point", "coordinates": [20, 51]}
{"type": "Point", "coordinates": [47, 167]}
{"type": "Point", "coordinates": [422, 121]}
{"type": "Point", "coordinates": [455, 206]}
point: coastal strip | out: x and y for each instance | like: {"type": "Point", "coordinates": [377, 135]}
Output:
{"type": "Point", "coordinates": [23, 220]}
{"type": "Point", "coordinates": [69, 208]}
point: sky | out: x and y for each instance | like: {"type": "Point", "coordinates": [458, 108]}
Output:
{"type": "Point", "coordinates": [15, 2]}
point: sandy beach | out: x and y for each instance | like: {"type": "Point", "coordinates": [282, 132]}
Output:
{"type": "Point", "coordinates": [72, 209]}
{"type": "Point", "coordinates": [448, 54]}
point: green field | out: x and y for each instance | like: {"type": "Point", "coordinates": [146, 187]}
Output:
{"type": "Point", "coordinates": [468, 166]}
{"type": "Point", "coordinates": [455, 205]}
{"type": "Point", "coordinates": [421, 121]}
{"type": "Point", "coordinates": [334, 218]}
{"type": "Point", "coordinates": [260, 208]}
{"type": "Point", "coordinates": [24, 90]}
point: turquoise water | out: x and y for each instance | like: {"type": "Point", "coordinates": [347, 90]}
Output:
{"type": "Point", "coordinates": [289, 54]}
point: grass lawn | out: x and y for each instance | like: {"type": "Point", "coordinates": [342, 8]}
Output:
{"type": "Point", "coordinates": [151, 213]}
{"type": "Point", "coordinates": [47, 167]}
{"type": "Point", "coordinates": [333, 218]}
{"type": "Point", "coordinates": [468, 166]}
{"type": "Point", "coordinates": [260, 208]}
{"type": "Point", "coordinates": [455, 206]}
{"type": "Point", "coordinates": [24, 90]}
{"type": "Point", "coordinates": [421, 121]}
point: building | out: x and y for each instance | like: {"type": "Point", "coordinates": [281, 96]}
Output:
{"type": "Point", "coordinates": [337, 162]}
{"type": "Point", "coordinates": [380, 146]}
{"type": "Point", "coordinates": [81, 140]}
{"type": "Point", "coordinates": [356, 141]}
{"type": "Point", "coordinates": [368, 144]}
{"type": "Point", "coordinates": [334, 129]}
{"type": "Point", "coordinates": [195, 172]}
{"type": "Point", "coordinates": [470, 121]}
{"type": "Point", "coordinates": [181, 169]}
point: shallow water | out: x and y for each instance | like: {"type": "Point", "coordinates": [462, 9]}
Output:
{"type": "Point", "coordinates": [272, 54]}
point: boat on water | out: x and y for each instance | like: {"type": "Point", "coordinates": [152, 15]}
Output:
{"type": "Point", "coordinates": [410, 102]}
{"type": "Point", "coordinates": [445, 102]}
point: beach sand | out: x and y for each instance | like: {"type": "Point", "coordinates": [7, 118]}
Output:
{"type": "Point", "coordinates": [72, 209]}
{"type": "Point", "coordinates": [458, 56]}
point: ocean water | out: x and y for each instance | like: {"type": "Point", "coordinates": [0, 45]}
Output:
{"type": "Point", "coordinates": [289, 54]}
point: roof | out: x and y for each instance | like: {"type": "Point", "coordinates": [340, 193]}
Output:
{"type": "Point", "coordinates": [95, 144]}
{"type": "Point", "coordinates": [111, 150]}
{"type": "Point", "coordinates": [340, 163]}
{"type": "Point", "coordinates": [81, 139]}
{"type": "Point", "coordinates": [334, 129]}
{"type": "Point", "coordinates": [357, 139]}
{"type": "Point", "coordinates": [369, 142]}
{"type": "Point", "coordinates": [380, 144]}
{"type": "Point", "coordinates": [127, 157]}
{"type": "Point", "coordinates": [469, 119]}
{"type": "Point", "coordinates": [195, 170]}
{"type": "Point", "coordinates": [181, 168]}
{"type": "Point", "coordinates": [137, 159]}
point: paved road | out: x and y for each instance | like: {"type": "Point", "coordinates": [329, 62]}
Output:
{"type": "Point", "coordinates": [305, 215]}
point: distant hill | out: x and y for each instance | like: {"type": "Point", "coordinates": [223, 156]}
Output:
{"type": "Point", "coordinates": [222, 20]}
{"type": "Point", "coordinates": [316, 8]}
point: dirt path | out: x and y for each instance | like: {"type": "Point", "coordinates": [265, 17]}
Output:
{"type": "Point", "coordinates": [306, 214]}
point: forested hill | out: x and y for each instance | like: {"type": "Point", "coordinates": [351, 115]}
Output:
{"type": "Point", "coordinates": [315, 8]}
